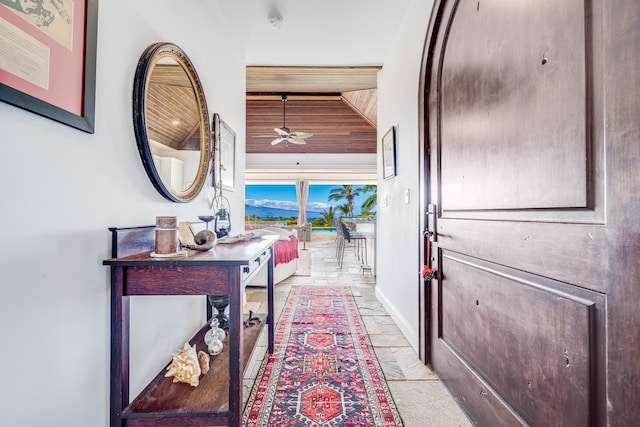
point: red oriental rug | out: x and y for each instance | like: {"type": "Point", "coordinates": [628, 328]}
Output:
{"type": "Point", "coordinates": [324, 371]}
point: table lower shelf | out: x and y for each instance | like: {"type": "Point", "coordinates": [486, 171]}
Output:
{"type": "Point", "coordinates": [165, 400]}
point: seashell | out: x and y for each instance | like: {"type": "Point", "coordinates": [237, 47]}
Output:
{"type": "Point", "coordinates": [203, 358]}
{"type": "Point", "coordinates": [185, 366]}
{"type": "Point", "coordinates": [204, 240]}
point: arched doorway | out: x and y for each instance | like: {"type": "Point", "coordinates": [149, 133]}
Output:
{"type": "Point", "coordinates": [530, 111]}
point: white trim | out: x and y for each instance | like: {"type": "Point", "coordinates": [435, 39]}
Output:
{"type": "Point", "coordinates": [405, 326]}
{"type": "Point", "coordinates": [316, 168]}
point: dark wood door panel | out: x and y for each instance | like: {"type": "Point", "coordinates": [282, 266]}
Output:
{"type": "Point", "coordinates": [483, 406]}
{"type": "Point", "coordinates": [530, 338]}
{"type": "Point", "coordinates": [575, 254]}
{"type": "Point", "coordinates": [531, 135]}
{"type": "Point", "coordinates": [513, 110]}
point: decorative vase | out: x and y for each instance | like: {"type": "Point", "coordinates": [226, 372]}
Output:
{"type": "Point", "coordinates": [220, 303]}
{"type": "Point", "coordinates": [214, 337]}
{"type": "Point", "coordinates": [215, 347]}
{"type": "Point", "coordinates": [214, 333]}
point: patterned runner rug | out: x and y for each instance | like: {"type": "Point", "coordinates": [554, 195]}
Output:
{"type": "Point", "coordinates": [324, 371]}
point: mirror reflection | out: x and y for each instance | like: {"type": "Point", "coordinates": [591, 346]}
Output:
{"type": "Point", "coordinates": [172, 126]}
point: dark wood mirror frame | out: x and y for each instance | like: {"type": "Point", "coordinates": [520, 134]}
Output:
{"type": "Point", "coordinates": [150, 58]}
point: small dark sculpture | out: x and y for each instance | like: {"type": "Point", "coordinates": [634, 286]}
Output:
{"type": "Point", "coordinates": [252, 319]}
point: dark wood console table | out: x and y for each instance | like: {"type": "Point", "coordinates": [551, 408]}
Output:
{"type": "Point", "coordinates": [220, 271]}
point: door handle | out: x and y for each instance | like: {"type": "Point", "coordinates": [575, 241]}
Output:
{"type": "Point", "coordinates": [432, 230]}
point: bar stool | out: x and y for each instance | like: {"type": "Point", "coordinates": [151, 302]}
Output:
{"type": "Point", "coordinates": [359, 244]}
{"type": "Point", "coordinates": [339, 236]}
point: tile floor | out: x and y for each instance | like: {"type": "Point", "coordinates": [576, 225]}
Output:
{"type": "Point", "coordinates": [420, 397]}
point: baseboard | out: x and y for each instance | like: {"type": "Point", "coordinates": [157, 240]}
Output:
{"type": "Point", "coordinates": [401, 321]}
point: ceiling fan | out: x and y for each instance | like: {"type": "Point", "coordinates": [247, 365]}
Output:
{"type": "Point", "coordinates": [284, 133]}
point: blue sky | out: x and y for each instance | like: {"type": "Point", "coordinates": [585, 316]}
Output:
{"type": "Point", "coordinates": [284, 197]}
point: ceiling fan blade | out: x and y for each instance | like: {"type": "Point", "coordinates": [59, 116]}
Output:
{"type": "Point", "coordinates": [282, 132]}
{"type": "Point", "coordinates": [301, 134]}
{"type": "Point", "coordinates": [261, 136]}
{"type": "Point", "coordinates": [296, 140]}
{"type": "Point", "coordinates": [277, 140]}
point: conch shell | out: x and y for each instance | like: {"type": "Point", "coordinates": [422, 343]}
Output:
{"type": "Point", "coordinates": [203, 358]}
{"type": "Point", "coordinates": [204, 240]}
{"type": "Point", "coordinates": [185, 366]}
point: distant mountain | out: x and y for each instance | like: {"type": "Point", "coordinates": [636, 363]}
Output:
{"type": "Point", "coordinates": [267, 212]}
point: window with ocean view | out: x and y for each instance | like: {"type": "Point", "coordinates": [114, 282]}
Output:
{"type": "Point", "coordinates": [278, 203]}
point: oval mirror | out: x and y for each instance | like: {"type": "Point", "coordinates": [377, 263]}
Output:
{"type": "Point", "coordinates": [171, 122]}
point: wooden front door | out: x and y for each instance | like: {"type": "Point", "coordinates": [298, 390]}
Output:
{"type": "Point", "coordinates": [532, 135]}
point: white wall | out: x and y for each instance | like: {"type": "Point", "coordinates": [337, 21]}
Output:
{"type": "Point", "coordinates": [398, 242]}
{"type": "Point", "coordinates": [60, 190]}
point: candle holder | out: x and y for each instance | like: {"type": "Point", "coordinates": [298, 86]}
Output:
{"type": "Point", "coordinates": [206, 219]}
{"type": "Point", "coordinates": [220, 303]}
{"type": "Point", "coordinates": [166, 235]}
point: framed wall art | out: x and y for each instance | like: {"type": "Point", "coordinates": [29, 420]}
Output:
{"type": "Point", "coordinates": [227, 156]}
{"type": "Point", "coordinates": [48, 64]}
{"type": "Point", "coordinates": [389, 153]}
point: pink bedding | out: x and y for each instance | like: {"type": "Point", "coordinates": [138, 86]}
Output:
{"type": "Point", "coordinates": [285, 250]}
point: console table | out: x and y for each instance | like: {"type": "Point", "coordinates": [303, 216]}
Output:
{"type": "Point", "coordinates": [222, 270]}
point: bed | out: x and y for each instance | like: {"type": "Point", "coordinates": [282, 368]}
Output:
{"type": "Point", "coordinates": [285, 255]}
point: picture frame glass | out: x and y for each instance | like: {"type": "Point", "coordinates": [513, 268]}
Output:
{"type": "Point", "coordinates": [50, 57]}
{"type": "Point", "coordinates": [186, 234]}
{"type": "Point", "coordinates": [389, 154]}
{"type": "Point", "coordinates": [227, 156]}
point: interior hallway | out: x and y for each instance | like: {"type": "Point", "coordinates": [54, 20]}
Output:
{"type": "Point", "coordinates": [420, 397]}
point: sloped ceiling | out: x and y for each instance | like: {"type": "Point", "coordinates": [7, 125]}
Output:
{"type": "Point", "coordinates": [322, 37]}
{"type": "Point", "coordinates": [310, 79]}
{"type": "Point", "coordinates": [172, 115]}
{"type": "Point", "coordinates": [336, 104]}
{"type": "Point", "coordinates": [336, 128]}
{"type": "Point", "coordinates": [365, 103]}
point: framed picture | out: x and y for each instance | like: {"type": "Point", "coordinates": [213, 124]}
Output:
{"type": "Point", "coordinates": [389, 153]}
{"type": "Point", "coordinates": [227, 156]}
{"type": "Point", "coordinates": [215, 140]}
{"type": "Point", "coordinates": [48, 64]}
{"type": "Point", "coordinates": [186, 234]}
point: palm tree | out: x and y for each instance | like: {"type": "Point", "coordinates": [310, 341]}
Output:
{"type": "Point", "coordinates": [328, 216]}
{"type": "Point", "coordinates": [370, 203]}
{"type": "Point", "coordinates": [346, 192]}
{"type": "Point", "coordinates": [346, 210]}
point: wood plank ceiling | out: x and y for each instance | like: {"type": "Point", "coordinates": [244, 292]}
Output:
{"type": "Point", "coordinates": [171, 109]}
{"type": "Point", "coordinates": [336, 104]}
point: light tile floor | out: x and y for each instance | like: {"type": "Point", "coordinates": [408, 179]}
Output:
{"type": "Point", "coordinates": [421, 398]}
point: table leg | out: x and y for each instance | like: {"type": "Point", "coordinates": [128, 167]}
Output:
{"type": "Point", "coordinates": [119, 347]}
{"type": "Point", "coordinates": [236, 348]}
{"type": "Point", "coordinates": [270, 300]}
